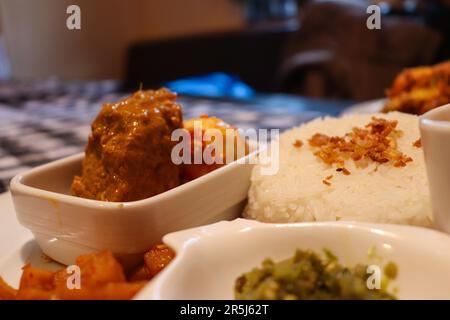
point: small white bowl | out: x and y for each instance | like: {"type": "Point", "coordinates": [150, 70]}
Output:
{"type": "Point", "coordinates": [209, 259]}
{"type": "Point", "coordinates": [66, 226]}
{"type": "Point", "coordinates": [435, 136]}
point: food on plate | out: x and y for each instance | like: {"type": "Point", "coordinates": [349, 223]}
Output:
{"type": "Point", "coordinates": [376, 141]}
{"type": "Point", "coordinates": [307, 276]}
{"type": "Point", "coordinates": [127, 157]}
{"type": "Point", "coordinates": [102, 277]}
{"type": "Point", "coordinates": [129, 153]}
{"type": "Point", "coordinates": [358, 167]}
{"type": "Point", "coordinates": [199, 144]}
{"type": "Point", "coordinates": [418, 90]}
{"type": "Point", "coordinates": [155, 260]}
{"type": "Point", "coordinates": [6, 291]}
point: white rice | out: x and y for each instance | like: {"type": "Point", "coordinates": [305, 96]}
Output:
{"type": "Point", "coordinates": [386, 195]}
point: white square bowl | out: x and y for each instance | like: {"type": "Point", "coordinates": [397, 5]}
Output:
{"type": "Point", "coordinates": [66, 226]}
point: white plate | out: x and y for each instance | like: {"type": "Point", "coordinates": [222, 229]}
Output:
{"type": "Point", "coordinates": [372, 106]}
{"type": "Point", "coordinates": [17, 246]}
{"type": "Point", "coordinates": [210, 258]}
{"type": "Point", "coordinates": [231, 248]}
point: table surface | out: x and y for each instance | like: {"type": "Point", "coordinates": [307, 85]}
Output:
{"type": "Point", "coordinates": [47, 120]}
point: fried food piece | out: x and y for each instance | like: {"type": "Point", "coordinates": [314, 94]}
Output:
{"type": "Point", "coordinates": [96, 270]}
{"type": "Point", "coordinates": [376, 142]}
{"type": "Point", "coordinates": [6, 292]}
{"type": "Point", "coordinates": [36, 278]}
{"type": "Point", "coordinates": [109, 291]}
{"type": "Point", "coordinates": [157, 258]}
{"type": "Point", "coordinates": [35, 294]}
{"type": "Point", "coordinates": [139, 274]}
{"type": "Point", "coordinates": [36, 284]}
{"type": "Point", "coordinates": [101, 276]}
{"type": "Point", "coordinates": [199, 144]}
{"type": "Point", "coordinates": [128, 155]}
{"type": "Point", "coordinates": [418, 90]}
{"type": "Point", "coordinates": [99, 269]}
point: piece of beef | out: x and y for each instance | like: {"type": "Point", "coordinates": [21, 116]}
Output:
{"type": "Point", "coordinates": [128, 155]}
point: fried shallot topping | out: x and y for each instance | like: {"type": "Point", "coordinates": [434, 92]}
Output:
{"type": "Point", "coordinates": [377, 142]}
{"type": "Point", "coordinates": [327, 181]}
{"type": "Point", "coordinates": [298, 143]}
{"type": "Point", "coordinates": [418, 143]}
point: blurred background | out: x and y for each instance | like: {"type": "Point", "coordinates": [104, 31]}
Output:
{"type": "Point", "coordinates": [306, 47]}
{"type": "Point", "coordinates": [253, 63]}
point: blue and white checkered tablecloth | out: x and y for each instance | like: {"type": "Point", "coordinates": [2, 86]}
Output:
{"type": "Point", "coordinates": [48, 120]}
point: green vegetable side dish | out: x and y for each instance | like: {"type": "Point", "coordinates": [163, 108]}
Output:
{"type": "Point", "coordinates": [307, 276]}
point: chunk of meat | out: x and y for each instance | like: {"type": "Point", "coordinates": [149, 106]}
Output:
{"type": "Point", "coordinates": [128, 155]}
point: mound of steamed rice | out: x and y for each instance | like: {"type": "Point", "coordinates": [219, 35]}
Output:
{"type": "Point", "coordinates": [376, 193]}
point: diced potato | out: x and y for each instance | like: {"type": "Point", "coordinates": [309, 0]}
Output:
{"type": "Point", "coordinates": [157, 258]}
{"type": "Point", "coordinates": [139, 274]}
{"type": "Point", "coordinates": [102, 278]}
{"type": "Point", "coordinates": [110, 291]}
{"type": "Point", "coordinates": [31, 293]}
{"type": "Point", "coordinates": [99, 269]}
{"type": "Point", "coordinates": [36, 279]}
{"type": "Point", "coordinates": [6, 292]}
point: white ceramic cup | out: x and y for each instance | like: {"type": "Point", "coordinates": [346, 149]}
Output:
{"type": "Point", "coordinates": [435, 135]}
